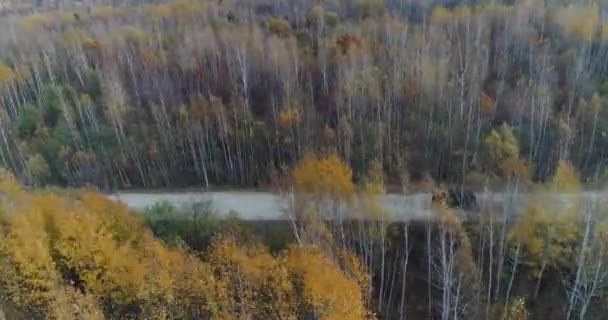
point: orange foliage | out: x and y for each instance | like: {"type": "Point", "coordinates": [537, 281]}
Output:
{"type": "Point", "coordinates": [487, 105]}
{"type": "Point", "coordinates": [149, 58]}
{"type": "Point", "coordinates": [514, 167]}
{"type": "Point", "coordinates": [348, 41]}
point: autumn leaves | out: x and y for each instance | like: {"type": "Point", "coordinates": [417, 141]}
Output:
{"type": "Point", "coordinates": [77, 255]}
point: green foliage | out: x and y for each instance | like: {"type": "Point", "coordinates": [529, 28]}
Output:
{"type": "Point", "coordinates": [192, 225]}
{"type": "Point", "coordinates": [332, 19]}
{"type": "Point", "coordinates": [28, 123]}
{"type": "Point", "coordinates": [279, 26]}
{"type": "Point", "coordinates": [39, 169]}
{"type": "Point", "coordinates": [501, 145]}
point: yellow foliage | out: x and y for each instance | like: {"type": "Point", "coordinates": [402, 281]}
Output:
{"type": "Point", "coordinates": [298, 282]}
{"type": "Point", "coordinates": [250, 273]}
{"type": "Point", "coordinates": [8, 184]}
{"type": "Point", "coordinates": [544, 238]}
{"type": "Point", "coordinates": [502, 144]}
{"type": "Point", "coordinates": [93, 253]}
{"type": "Point", "coordinates": [441, 14]}
{"type": "Point", "coordinates": [326, 289]}
{"type": "Point", "coordinates": [47, 19]}
{"type": "Point", "coordinates": [316, 14]}
{"type": "Point", "coordinates": [35, 21]}
{"type": "Point", "coordinates": [565, 178]}
{"type": "Point", "coordinates": [325, 176]}
{"type": "Point", "coordinates": [604, 34]}
{"type": "Point", "coordinates": [133, 34]}
{"type": "Point", "coordinates": [105, 12]}
{"type": "Point", "coordinates": [502, 149]}
{"type": "Point", "coordinates": [6, 76]}
{"type": "Point", "coordinates": [80, 256]}
{"type": "Point", "coordinates": [518, 310]}
{"type": "Point", "coordinates": [580, 22]}
{"type": "Point", "coordinates": [70, 304]}
{"type": "Point", "coordinates": [162, 11]}
{"type": "Point", "coordinates": [183, 8]}
{"type": "Point", "coordinates": [73, 37]}
{"type": "Point", "coordinates": [462, 12]}
{"type": "Point", "coordinates": [280, 27]}
{"type": "Point", "coordinates": [289, 118]}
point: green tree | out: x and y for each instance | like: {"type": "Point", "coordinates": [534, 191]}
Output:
{"type": "Point", "coordinates": [38, 169]}
{"type": "Point", "coordinates": [501, 145]}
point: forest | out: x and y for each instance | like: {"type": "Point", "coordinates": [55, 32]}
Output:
{"type": "Point", "coordinates": [332, 104]}
{"type": "Point", "coordinates": [74, 254]}
{"type": "Point", "coordinates": [234, 93]}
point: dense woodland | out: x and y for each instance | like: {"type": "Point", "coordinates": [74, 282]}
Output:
{"type": "Point", "coordinates": [73, 254]}
{"type": "Point", "coordinates": [192, 93]}
{"type": "Point", "coordinates": [77, 255]}
{"type": "Point", "coordinates": [332, 103]}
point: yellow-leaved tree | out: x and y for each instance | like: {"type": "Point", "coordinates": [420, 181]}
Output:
{"type": "Point", "coordinates": [322, 187]}
{"type": "Point", "coordinates": [299, 282]}
{"type": "Point", "coordinates": [502, 149]}
{"type": "Point", "coordinates": [258, 284]}
{"type": "Point", "coordinates": [547, 235]}
{"type": "Point", "coordinates": [324, 177]}
{"type": "Point", "coordinates": [323, 289]}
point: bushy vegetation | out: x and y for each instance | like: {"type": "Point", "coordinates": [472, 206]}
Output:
{"type": "Point", "coordinates": [191, 225]}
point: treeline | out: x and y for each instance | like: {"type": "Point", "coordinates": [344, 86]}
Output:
{"type": "Point", "coordinates": [231, 92]}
